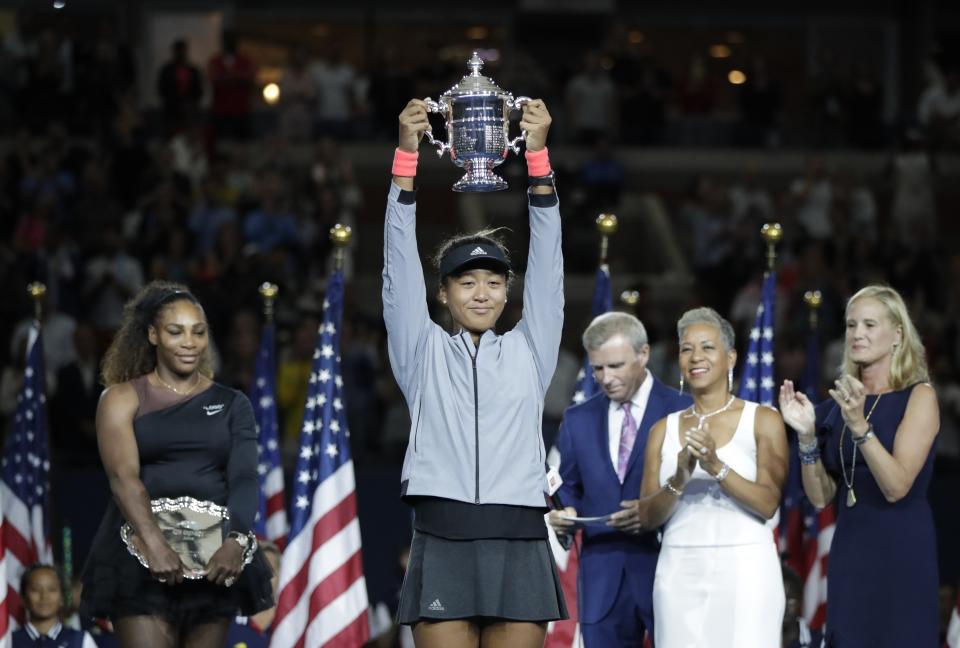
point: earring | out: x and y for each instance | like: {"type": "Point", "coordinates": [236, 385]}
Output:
{"type": "Point", "coordinates": [730, 379]}
{"type": "Point", "coordinates": [681, 384]}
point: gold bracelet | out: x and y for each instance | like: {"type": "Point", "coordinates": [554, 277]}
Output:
{"type": "Point", "coordinates": [673, 489]}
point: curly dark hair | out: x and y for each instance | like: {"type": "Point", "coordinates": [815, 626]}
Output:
{"type": "Point", "coordinates": [493, 236]}
{"type": "Point", "coordinates": [130, 354]}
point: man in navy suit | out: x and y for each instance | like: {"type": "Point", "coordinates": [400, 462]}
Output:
{"type": "Point", "coordinates": [601, 444]}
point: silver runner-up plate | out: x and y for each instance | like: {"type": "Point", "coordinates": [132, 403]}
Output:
{"type": "Point", "coordinates": [193, 528]}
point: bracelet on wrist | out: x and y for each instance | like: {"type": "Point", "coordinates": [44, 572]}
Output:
{"type": "Point", "coordinates": [809, 458]}
{"type": "Point", "coordinates": [722, 473]}
{"type": "Point", "coordinates": [807, 447]}
{"type": "Point", "coordinates": [863, 438]}
{"type": "Point", "coordinates": [673, 489]}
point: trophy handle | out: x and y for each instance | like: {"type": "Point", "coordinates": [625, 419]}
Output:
{"type": "Point", "coordinates": [514, 144]}
{"type": "Point", "coordinates": [435, 107]}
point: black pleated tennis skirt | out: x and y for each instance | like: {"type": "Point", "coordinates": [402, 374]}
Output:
{"type": "Point", "coordinates": [490, 578]}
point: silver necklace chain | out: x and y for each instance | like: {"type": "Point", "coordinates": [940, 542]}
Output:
{"type": "Point", "coordinates": [703, 417]}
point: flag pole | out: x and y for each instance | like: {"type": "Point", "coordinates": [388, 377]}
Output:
{"type": "Point", "coordinates": [340, 237]}
{"type": "Point", "coordinates": [607, 226]}
{"type": "Point", "coordinates": [268, 291]}
{"type": "Point", "coordinates": [772, 233]}
{"type": "Point", "coordinates": [37, 290]}
{"type": "Point", "coordinates": [813, 299]}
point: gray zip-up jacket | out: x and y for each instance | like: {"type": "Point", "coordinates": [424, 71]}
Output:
{"type": "Point", "coordinates": [475, 413]}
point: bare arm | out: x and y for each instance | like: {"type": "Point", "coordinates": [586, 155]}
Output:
{"type": "Point", "coordinates": [121, 460]}
{"type": "Point", "coordinates": [799, 413]}
{"type": "Point", "coordinates": [896, 472]}
{"type": "Point", "coordinates": [761, 496]}
{"type": "Point", "coordinates": [657, 503]}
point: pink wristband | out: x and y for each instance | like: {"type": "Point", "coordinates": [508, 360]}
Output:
{"type": "Point", "coordinates": [405, 164]}
{"type": "Point", "coordinates": [538, 163]}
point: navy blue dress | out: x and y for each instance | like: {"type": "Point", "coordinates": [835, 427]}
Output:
{"type": "Point", "coordinates": [882, 577]}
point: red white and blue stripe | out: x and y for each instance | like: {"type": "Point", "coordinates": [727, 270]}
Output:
{"type": "Point", "coordinates": [271, 521]}
{"type": "Point", "coordinates": [323, 594]}
{"type": "Point", "coordinates": [24, 489]}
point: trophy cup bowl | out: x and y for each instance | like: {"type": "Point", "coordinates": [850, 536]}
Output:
{"type": "Point", "coordinates": [476, 114]}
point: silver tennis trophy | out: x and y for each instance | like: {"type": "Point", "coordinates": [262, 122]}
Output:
{"type": "Point", "coordinates": [476, 113]}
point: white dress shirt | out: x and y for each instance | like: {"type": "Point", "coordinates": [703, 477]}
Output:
{"type": "Point", "coordinates": [638, 405]}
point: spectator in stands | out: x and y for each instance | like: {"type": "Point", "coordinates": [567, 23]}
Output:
{"type": "Point", "coordinates": [812, 196]}
{"type": "Point", "coordinates": [939, 107]}
{"type": "Point", "coordinates": [334, 80]}
{"type": "Point", "coordinates": [42, 592]}
{"type": "Point", "coordinates": [271, 225]}
{"type": "Point", "coordinates": [180, 86]}
{"type": "Point", "coordinates": [209, 212]}
{"type": "Point", "coordinates": [112, 277]}
{"type": "Point", "coordinates": [760, 105]}
{"type": "Point", "coordinates": [913, 213]}
{"type": "Point", "coordinates": [591, 102]}
{"type": "Point", "coordinates": [298, 93]}
{"type": "Point", "coordinates": [293, 376]}
{"type": "Point", "coordinates": [74, 407]}
{"type": "Point", "coordinates": [232, 76]}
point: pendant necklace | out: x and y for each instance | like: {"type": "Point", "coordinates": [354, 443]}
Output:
{"type": "Point", "coordinates": [703, 417]}
{"type": "Point", "coordinates": [174, 389]}
{"type": "Point", "coordinates": [851, 497]}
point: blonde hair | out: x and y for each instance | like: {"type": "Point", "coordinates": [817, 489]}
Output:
{"type": "Point", "coordinates": [909, 363]}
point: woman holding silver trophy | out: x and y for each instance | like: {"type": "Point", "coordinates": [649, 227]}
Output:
{"type": "Point", "coordinates": [480, 571]}
{"type": "Point", "coordinates": [174, 560]}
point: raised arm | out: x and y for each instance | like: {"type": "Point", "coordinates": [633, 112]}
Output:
{"type": "Point", "coordinates": [542, 321]}
{"type": "Point", "coordinates": [121, 460]}
{"type": "Point", "coordinates": [798, 412]}
{"type": "Point", "coordinates": [404, 291]}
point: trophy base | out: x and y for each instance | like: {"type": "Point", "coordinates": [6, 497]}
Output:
{"type": "Point", "coordinates": [479, 178]}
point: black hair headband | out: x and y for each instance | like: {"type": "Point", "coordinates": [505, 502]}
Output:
{"type": "Point", "coordinates": [473, 254]}
{"type": "Point", "coordinates": [148, 308]}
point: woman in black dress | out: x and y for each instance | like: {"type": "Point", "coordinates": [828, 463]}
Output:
{"type": "Point", "coordinates": [165, 429]}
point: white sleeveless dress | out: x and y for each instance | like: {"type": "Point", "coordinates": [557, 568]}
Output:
{"type": "Point", "coordinates": [718, 582]}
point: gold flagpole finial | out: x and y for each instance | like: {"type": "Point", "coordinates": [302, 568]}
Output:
{"type": "Point", "coordinates": [607, 226]}
{"type": "Point", "coordinates": [340, 237]}
{"type": "Point", "coordinates": [268, 291]}
{"type": "Point", "coordinates": [813, 300]}
{"type": "Point", "coordinates": [630, 300]}
{"type": "Point", "coordinates": [37, 290]}
{"type": "Point", "coordinates": [772, 233]}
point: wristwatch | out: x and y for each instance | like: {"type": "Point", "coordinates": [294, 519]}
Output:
{"type": "Point", "coordinates": [543, 181]}
{"type": "Point", "coordinates": [242, 538]}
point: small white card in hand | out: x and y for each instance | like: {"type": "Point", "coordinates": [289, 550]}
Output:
{"type": "Point", "coordinates": [598, 520]}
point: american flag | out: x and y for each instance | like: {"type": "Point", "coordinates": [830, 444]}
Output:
{"type": "Point", "coordinates": [271, 522]}
{"type": "Point", "coordinates": [805, 533]}
{"type": "Point", "coordinates": [323, 594]}
{"type": "Point", "coordinates": [565, 634]}
{"type": "Point", "coordinates": [757, 384]}
{"type": "Point", "coordinates": [953, 630]}
{"type": "Point", "coordinates": [24, 488]}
